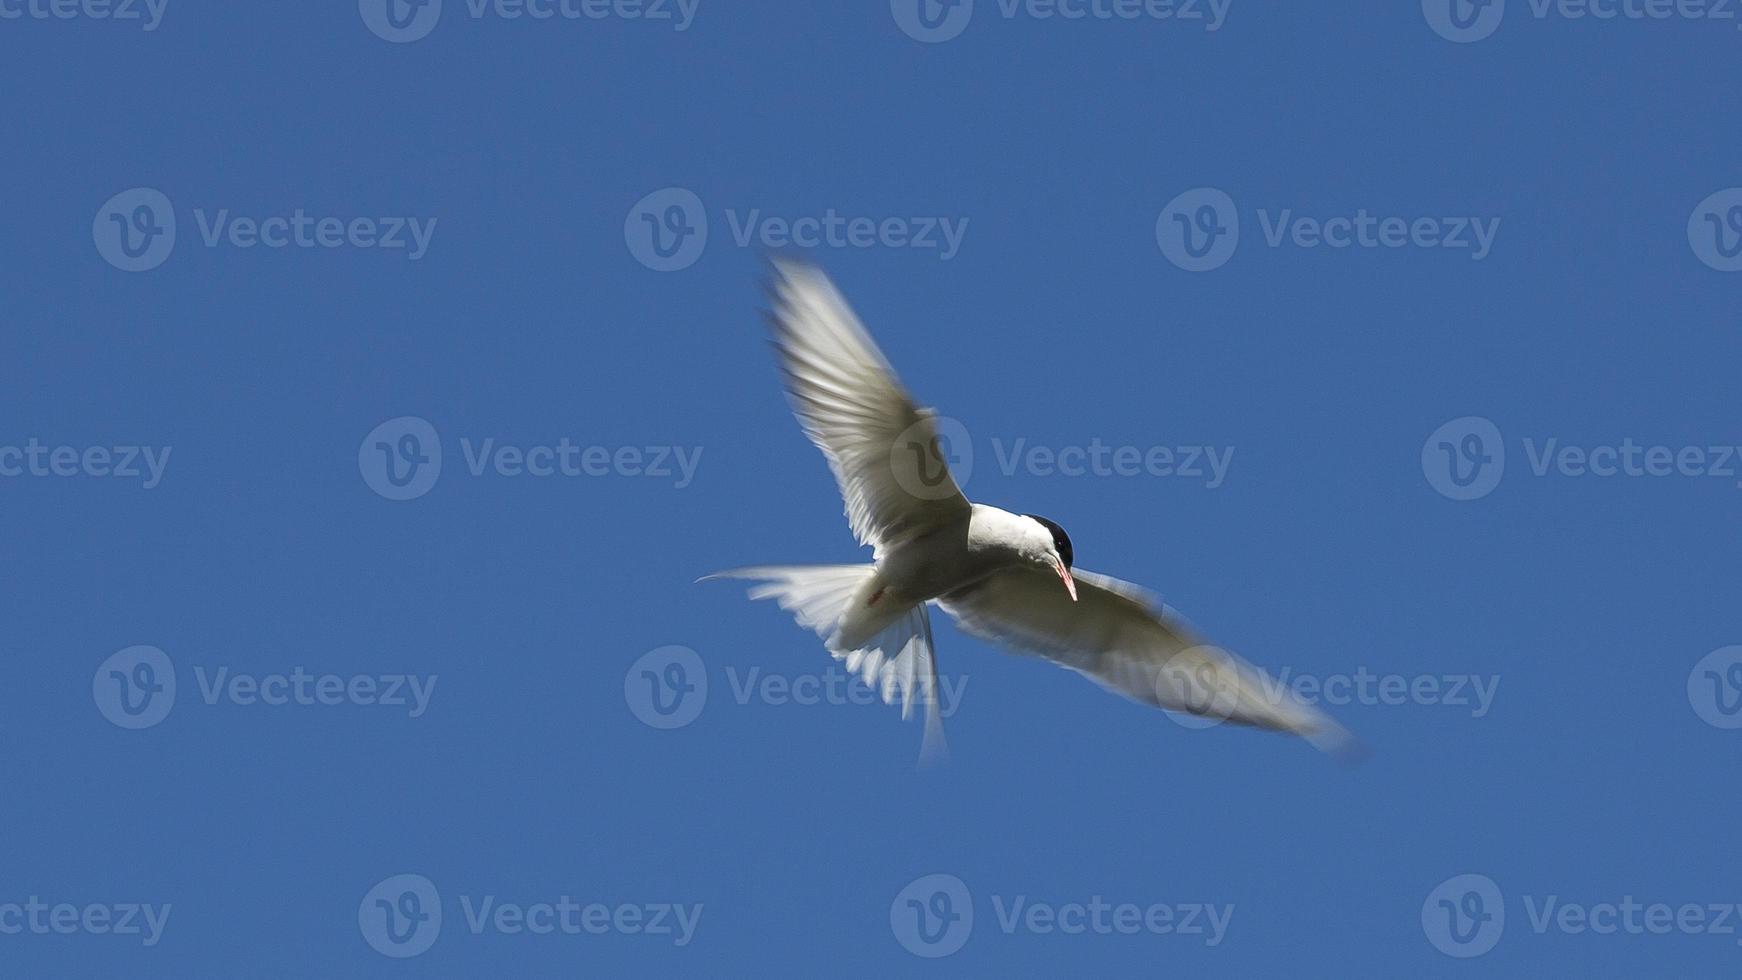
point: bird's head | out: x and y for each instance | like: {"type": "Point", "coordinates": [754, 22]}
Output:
{"type": "Point", "coordinates": [1053, 549]}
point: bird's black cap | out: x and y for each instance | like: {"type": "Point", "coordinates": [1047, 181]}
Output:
{"type": "Point", "coordinates": [1060, 540]}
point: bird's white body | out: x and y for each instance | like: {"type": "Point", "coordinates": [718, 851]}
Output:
{"type": "Point", "coordinates": [940, 561]}
{"type": "Point", "coordinates": [1004, 576]}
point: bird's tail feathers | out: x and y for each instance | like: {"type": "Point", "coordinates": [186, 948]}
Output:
{"type": "Point", "coordinates": [891, 651]}
{"type": "Point", "coordinates": [818, 596]}
{"type": "Point", "coordinates": [899, 662]}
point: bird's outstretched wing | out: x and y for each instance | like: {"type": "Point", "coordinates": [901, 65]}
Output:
{"type": "Point", "coordinates": [1118, 637]}
{"type": "Point", "coordinates": [882, 448]}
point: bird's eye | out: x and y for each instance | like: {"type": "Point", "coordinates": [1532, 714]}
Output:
{"type": "Point", "coordinates": [1061, 542]}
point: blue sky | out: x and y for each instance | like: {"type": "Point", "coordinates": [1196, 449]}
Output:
{"type": "Point", "coordinates": [1451, 292]}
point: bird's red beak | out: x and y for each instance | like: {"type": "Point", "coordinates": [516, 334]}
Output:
{"type": "Point", "coordinates": [1065, 575]}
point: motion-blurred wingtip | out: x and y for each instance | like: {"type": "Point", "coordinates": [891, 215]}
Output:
{"type": "Point", "coordinates": [1342, 746]}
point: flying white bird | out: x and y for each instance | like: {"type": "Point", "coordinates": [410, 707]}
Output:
{"type": "Point", "coordinates": [1006, 577]}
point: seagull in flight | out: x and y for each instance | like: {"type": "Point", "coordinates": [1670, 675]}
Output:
{"type": "Point", "coordinates": [1006, 577]}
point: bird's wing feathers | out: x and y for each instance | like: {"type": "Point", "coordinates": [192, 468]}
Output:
{"type": "Point", "coordinates": [1118, 637]}
{"type": "Point", "coordinates": [882, 448]}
